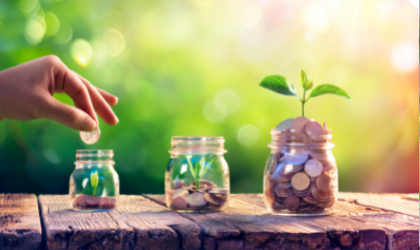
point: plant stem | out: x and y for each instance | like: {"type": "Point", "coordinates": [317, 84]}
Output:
{"type": "Point", "coordinates": [303, 103]}
{"type": "Point", "coordinates": [94, 191]}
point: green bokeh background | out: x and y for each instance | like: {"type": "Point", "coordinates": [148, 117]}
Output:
{"type": "Point", "coordinates": [179, 55]}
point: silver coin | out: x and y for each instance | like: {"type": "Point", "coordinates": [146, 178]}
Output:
{"type": "Point", "coordinates": [90, 137]}
{"type": "Point", "coordinates": [284, 124]}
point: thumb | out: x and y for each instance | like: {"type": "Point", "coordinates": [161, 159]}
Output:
{"type": "Point", "coordinates": [69, 116]}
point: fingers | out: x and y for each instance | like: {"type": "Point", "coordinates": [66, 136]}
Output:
{"type": "Point", "coordinates": [100, 104]}
{"type": "Point", "coordinates": [68, 82]}
{"type": "Point", "coordinates": [110, 99]}
{"type": "Point", "coordinates": [67, 115]}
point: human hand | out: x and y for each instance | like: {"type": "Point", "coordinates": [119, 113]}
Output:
{"type": "Point", "coordinates": [26, 93]}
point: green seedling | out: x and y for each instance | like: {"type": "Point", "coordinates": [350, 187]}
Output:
{"type": "Point", "coordinates": [199, 169]}
{"type": "Point", "coordinates": [94, 178]}
{"type": "Point", "coordinates": [279, 84]}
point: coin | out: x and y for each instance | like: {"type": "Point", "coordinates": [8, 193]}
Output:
{"type": "Point", "coordinates": [296, 158]}
{"type": "Point", "coordinates": [284, 125]}
{"type": "Point", "coordinates": [179, 192]}
{"type": "Point", "coordinates": [178, 203]}
{"type": "Point", "coordinates": [92, 200]}
{"type": "Point", "coordinates": [219, 191]}
{"type": "Point", "coordinates": [80, 200]}
{"type": "Point", "coordinates": [313, 168]}
{"type": "Point", "coordinates": [292, 202]}
{"type": "Point", "coordinates": [196, 200]}
{"type": "Point", "coordinates": [269, 194]}
{"type": "Point", "coordinates": [300, 181]}
{"type": "Point", "coordinates": [313, 128]}
{"type": "Point", "coordinates": [211, 199]}
{"type": "Point", "coordinates": [282, 192]}
{"type": "Point", "coordinates": [107, 203]}
{"type": "Point", "coordinates": [90, 137]}
{"type": "Point", "coordinates": [323, 183]}
{"type": "Point", "coordinates": [299, 124]}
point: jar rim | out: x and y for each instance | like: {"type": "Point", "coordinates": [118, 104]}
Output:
{"type": "Point", "coordinates": [94, 152]}
{"type": "Point", "coordinates": [197, 145]}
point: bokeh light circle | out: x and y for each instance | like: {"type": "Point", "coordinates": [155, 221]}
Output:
{"type": "Point", "coordinates": [114, 42]}
{"type": "Point", "coordinates": [230, 100]}
{"type": "Point", "coordinates": [64, 33]}
{"type": "Point", "coordinates": [248, 135]}
{"type": "Point", "coordinates": [53, 24]}
{"type": "Point", "coordinates": [404, 57]}
{"type": "Point", "coordinates": [415, 2]}
{"type": "Point", "coordinates": [314, 18]}
{"type": "Point", "coordinates": [81, 52]}
{"type": "Point", "coordinates": [251, 15]}
{"type": "Point", "coordinates": [215, 111]}
{"type": "Point", "coordinates": [35, 30]}
{"type": "Point", "coordinates": [28, 6]}
{"type": "Point", "coordinates": [384, 6]}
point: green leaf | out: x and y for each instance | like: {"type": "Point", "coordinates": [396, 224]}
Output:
{"type": "Point", "coordinates": [309, 85]}
{"type": "Point", "coordinates": [329, 89]}
{"type": "Point", "coordinates": [190, 166]}
{"type": "Point", "coordinates": [94, 179]}
{"type": "Point", "coordinates": [279, 84]}
{"type": "Point", "coordinates": [303, 78]}
{"type": "Point", "coordinates": [202, 173]}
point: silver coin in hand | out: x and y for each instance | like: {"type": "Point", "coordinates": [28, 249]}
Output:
{"type": "Point", "coordinates": [90, 137]}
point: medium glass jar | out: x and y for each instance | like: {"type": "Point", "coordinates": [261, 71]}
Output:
{"type": "Point", "coordinates": [197, 177]}
{"type": "Point", "coordinates": [94, 184]}
{"type": "Point", "coordinates": [301, 176]}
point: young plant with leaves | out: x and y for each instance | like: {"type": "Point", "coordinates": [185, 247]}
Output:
{"type": "Point", "coordinates": [279, 84]}
{"type": "Point", "coordinates": [199, 169]}
{"type": "Point", "coordinates": [94, 179]}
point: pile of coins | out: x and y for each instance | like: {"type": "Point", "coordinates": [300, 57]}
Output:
{"type": "Point", "coordinates": [301, 176]}
{"type": "Point", "coordinates": [189, 198]}
{"type": "Point", "coordinates": [87, 202]}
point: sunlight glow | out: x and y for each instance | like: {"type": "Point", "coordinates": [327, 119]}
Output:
{"type": "Point", "coordinates": [404, 57]}
{"type": "Point", "coordinates": [314, 18]}
{"type": "Point", "coordinates": [81, 52]}
{"type": "Point", "coordinates": [230, 101]}
{"type": "Point", "coordinates": [200, 3]}
{"type": "Point", "coordinates": [251, 15]}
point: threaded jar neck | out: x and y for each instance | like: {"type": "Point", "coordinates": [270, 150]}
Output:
{"type": "Point", "coordinates": [197, 145]}
{"type": "Point", "coordinates": [97, 155]}
{"type": "Point", "coordinates": [289, 139]}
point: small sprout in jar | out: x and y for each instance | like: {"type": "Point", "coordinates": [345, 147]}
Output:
{"type": "Point", "coordinates": [94, 178]}
{"type": "Point", "coordinates": [199, 169]}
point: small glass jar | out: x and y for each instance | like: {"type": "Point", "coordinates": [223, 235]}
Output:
{"type": "Point", "coordinates": [197, 177]}
{"type": "Point", "coordinates": [94, 184]}
{"type": "Point", "coordinates": [300, 176]}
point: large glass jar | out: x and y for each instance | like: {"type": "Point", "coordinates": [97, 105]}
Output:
{"type": "Point", "coordinates": [301, 176]}
{"type": "Point", "coordinates": [197, 177]}
{"type": "Point", "coordinates": [94, 184]}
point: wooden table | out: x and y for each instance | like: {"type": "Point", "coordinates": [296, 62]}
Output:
{"type": "Point", "coordinates": [359, 221]}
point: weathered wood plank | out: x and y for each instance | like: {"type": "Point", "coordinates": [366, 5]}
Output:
{"type": "Point", "coordinates": [387, 202]}
{"type": "Point", "coordinates": [246, 225]}
{"type": "Point", "coordinates": [20, 226]}
{"type": "Point", "coordinates": [137, 223]}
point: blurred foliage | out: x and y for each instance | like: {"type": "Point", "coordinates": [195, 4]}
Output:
{"type": "Point", "coordinates": [193, 68]}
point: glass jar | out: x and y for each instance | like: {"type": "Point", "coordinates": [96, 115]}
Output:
{"type": "Point", "coordinates": [94, 184]}
{"type": "Point", "coordinates": [301, 176]}
{"type": "Point", "coordinates": [197, 177]}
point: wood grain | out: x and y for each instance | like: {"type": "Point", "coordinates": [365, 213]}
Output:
{"type": "Point", "coordinates": [20, 226]}
{"type": "Point", "coordinates": [137, 223]}
{"type": "Point", "coordinates": [397, 203]}
{"type": "Point", "coordinates": [246, 225]}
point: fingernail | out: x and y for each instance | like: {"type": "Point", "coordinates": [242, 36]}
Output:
{"type": "Point", "coordinates": [88, 124]}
